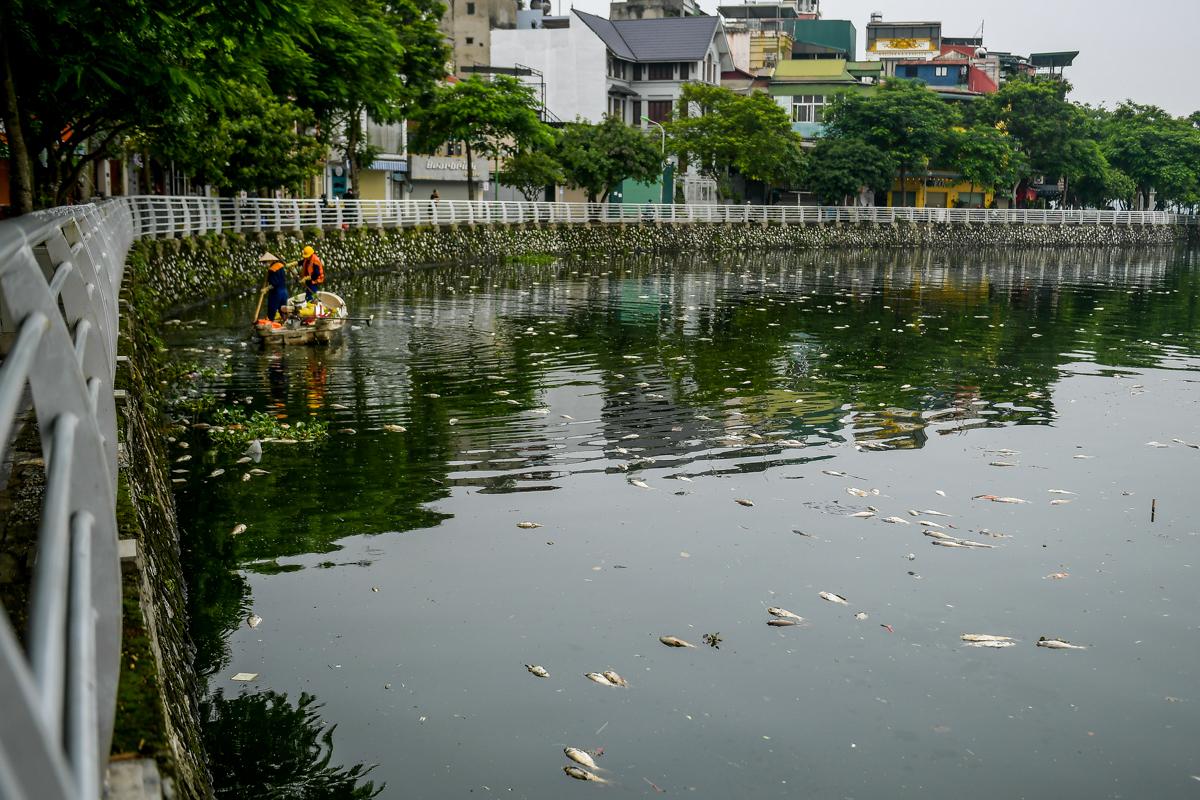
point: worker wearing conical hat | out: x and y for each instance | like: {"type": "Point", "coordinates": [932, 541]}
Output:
{"type": "Point", "coordinates": [277, 293]}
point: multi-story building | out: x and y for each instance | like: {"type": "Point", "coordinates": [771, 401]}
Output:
{"type": "Point", "coordinates": [893, 42]}
{"type": "Point", "coordinates": [468, 26]}
{"type": "Point", "coordinates": [804, 87]}
{"type": "Point", "coordinates": [653, 9]}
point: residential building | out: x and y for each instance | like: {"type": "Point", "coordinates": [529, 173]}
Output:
{"type": "Point", "coordinates": [824, 38]}
{"type": "Point", "coordinates": [761, 33]}
{"type": "Point", "coordinates": [951, 78]}
{"type": "Point", "coordinates": [653, 9]}
{"type": "Point", "coordinates": [939, 189]}
{"type": "Point", "coordinates": [805, 87]}
{"type": "Point", "coordinates": [893, 42]}
{"type": "Point", "coordinates": [468, 25]}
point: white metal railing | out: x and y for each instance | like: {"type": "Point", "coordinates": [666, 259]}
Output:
{"type": "Point", "coordinates": [187, 216]}
{"type": "Point", "coordinates": [60, 272]}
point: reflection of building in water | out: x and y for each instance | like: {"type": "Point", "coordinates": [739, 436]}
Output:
{"type": "Point", "coordinates": [315, 379]}
{"type": "Point", "coordinates": [277, 383]}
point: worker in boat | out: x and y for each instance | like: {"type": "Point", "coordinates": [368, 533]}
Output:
{"type": "Point", "coordinates": [312, 272]}
{"type": "Point", "coordinates": [277, 292]}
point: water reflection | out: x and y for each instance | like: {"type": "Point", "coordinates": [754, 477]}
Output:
{"type": "Point", "coordinates": [261, 746]}
{"type": "Point", "coordinates": [550, 393]}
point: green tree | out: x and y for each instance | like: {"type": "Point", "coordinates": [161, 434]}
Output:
{"type": "Point", "coordinates": [904, 119]}
{"type": "Point", "coordinates": [986, 157]}
{"type": "Point", "coordinates": [1156, 150]}
{"type": "Point", "coordinates": [360, 59]}
{"type": "Point", "coordinates": [596, 158]}
{"type": "Point", "coordinates": [838, 168]}
{"type": "Point", "coordinates": [495, 117]}
{"type": "Point", "coordinates": [530, 172]}
{"type": "Point", "coordinates": [750, 134]}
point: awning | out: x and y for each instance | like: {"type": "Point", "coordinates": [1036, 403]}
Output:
{"type": "Point", "coordinates": [390, 166]}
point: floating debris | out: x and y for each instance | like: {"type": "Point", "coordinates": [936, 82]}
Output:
{"type": "Point", "coordinates": [863, 515]}
{"type": "Point", "coordinates": [781, 623]}
{"type": "Point", "coordinates": [741, 501]}
{"type": "Point", "coordinates": [1057, 576]}
{"type": "Point", "coordinates": [238, 529]}
{"type": "Point", "coordinates": [216, 473]}
{"type": "Point", "coordinates": [537, 671]}
{"type": "Point", "coordinates": [673, 641]}
{"type": "Point", "coordinates": [985, 637]}
{"type": "Point", "coordinates": [639, 483]}
{"type": "Point", "coordinates": [254, 451]}
{"type": "Point", "coordinates": [833, 598]}
{"type": "Point", "coordinates": [896, 520]}
{"type": "Point", "coordinates": [254, 620]}
{"type": "Point", "coordinates": [860, 616]}
{"type": "Point", "coordinates": [992, 644]}
{"type": "Point", "coordinates": [395, 428]}
{"type": "Point", "coordinates": [245, 676]}
{"type": "Point", "coordinates": [1058, 644]}
{"type": "Point", "coordinates": [713, 640]}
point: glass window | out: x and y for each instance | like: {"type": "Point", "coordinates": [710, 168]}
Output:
{"type": "Point", "coordinates": [636, 116]}
{"type": "Point", "coordinates": [470, 8]}
{"type": "Point", "coordinates": [941, 72]}
{"type": "Point", "coordinates": [684, 68]}
{"type": "Point", "coordinates": [662, 72]}
{"type": "Point", "coordinates": [808, 108]}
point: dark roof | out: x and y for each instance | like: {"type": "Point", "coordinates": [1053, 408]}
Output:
{"type": "Point", "coordinates": [1059, 59]}
{"type": "Point", "coordinates": [669, 39]}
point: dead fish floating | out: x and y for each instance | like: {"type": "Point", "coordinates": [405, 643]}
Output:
{"type": "Point", "coordinates": [583, 775]}
{"type": "Point", "coordinates": [615, 680]}
{"type": "Point", "coordinates": [996, 499]}
{"type": "Point", "coordinates": [529, 525]}
{"type": "Point", "coordinates": [537, 671]}
{"type": "Point", "coordinates": [993, 645]}
{"type": "Point", "coordinates": [596, 677]}
{"type": "Point", "coordinates": [238, 529]}
{"type": "Point", "coordinates": [985, 637]}
{"type": "Point", "coordinates": [581, 757]}
{"type": "Point", "coordinates": [782, 623]}
{"type": "Point", "coordinates": [741, 501]}
{"type": "Point", "coordinates": [896, 520]}
{"type": "Point", "coordinates": [216, 473]}
{"type": "Point", "coordinates": [395, 428]}
{"type": "Point", "coordinates": [860, 616]}
{"type": "Point", "coordinates": [783, 613]}
{"type": "Point", "coordinates": [833, 598]}
{"type": "Point", "coordinates": [254, 620]}
{"type": "Point", "coordinates": [1058, 644]}
{"type": "Point", "coordinates": [674, 641]}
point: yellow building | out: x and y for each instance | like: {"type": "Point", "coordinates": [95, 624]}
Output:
{"type": "Point", "coordinates": [939, 190]}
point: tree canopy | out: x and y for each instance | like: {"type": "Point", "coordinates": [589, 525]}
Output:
{"type": "Point", "coordinates": [491, 117]}
{"type": "Point", "coordinates": [596, 158]}
{"type": "Point", "coordinates": [838, 169]}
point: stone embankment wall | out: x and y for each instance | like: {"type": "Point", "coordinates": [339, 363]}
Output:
{"type": "Point", "coordinates": [192, 270]}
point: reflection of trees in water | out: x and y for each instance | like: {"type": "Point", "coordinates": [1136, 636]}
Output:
{"type": "Point", "coordinates": [262, 747]}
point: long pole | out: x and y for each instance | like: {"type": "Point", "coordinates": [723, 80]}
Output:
{"type": "Point", "coordinates": [662, 154]}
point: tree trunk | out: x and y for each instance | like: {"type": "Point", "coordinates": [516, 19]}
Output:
{"type": "Point", "coordinates": [147, 173]}
{"type": "Point", "coordinates": [20, 180]}
{"type": "Point", "coordinates": [470, 171]}
{"type": "Point", "coordinates": [903, 186]}
{"type": "Point", "coordinates": [353, 134]}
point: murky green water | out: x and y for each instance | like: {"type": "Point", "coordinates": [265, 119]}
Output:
{"type": "Point", "coordinates": [396, 587]}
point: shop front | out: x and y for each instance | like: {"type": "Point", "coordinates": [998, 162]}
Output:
{"type": "Point", "coordinates": [447, 176]}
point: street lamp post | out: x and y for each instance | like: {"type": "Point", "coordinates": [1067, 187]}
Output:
{"type": "Point", "coordinates": [662, 154]}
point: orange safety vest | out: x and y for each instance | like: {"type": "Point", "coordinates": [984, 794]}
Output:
{"type": "Point", "coordinates": [312, 269]}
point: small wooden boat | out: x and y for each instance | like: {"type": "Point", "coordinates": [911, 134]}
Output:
{"type": "Point", "coordinates": [307, 323]}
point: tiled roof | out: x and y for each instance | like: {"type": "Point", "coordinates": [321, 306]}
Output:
{"type": "Point", "coordinates": [822, 69]}
{"type": "Point", "coordinates": [648, 40]}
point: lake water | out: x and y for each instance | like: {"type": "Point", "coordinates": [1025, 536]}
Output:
{"type": "Point", "coordinates": [625, 406]}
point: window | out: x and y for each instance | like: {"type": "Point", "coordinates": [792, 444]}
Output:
{"type": "Point", "coordinates": [636, 116]}
{"type": "Point", "coordinates": [616, 108]}
{"type": "Point", "coordinates": [658, 110]}
{"type": "Point", "coordinates": [470, 40]}
{"type": "Point", "coordinates": [911, 72]}
{"type": "Point", "coordinates": [454, 148]}
{"type": "Point", "coordinates": [616, 67]}
{"type": "Point", "coordinates": [470, 8]}
{"type": "Point", "coordinates": [808, 108]}
{"type": "Point", "coordinates": [662, 72]}
{"type": "Point", "coordinates": [637, 72]}
{"type": "Point", "coordinates": [941, 72]}
{"type": "Point", "coordinates": [684, 68]}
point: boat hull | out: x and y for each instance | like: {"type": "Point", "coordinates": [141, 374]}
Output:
{"type": "Point", "coordinates": [307, 332]}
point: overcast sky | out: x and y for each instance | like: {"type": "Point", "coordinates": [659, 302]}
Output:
{"type": "Point", "coordinates": [1140, 49]}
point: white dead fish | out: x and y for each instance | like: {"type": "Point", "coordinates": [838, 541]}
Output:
{"type": "Point", "coordinates": [684, 478]}
{"type": "Point", "coordinates": [834, 473]}
{"type": "Point", "coordinates": [674, 641]}
{"type": "Point", "coordinates": [896, 520]}
{"type": "Point", "coordinates": [1001, 464]}
{"type": "Point", "coordinates": [395, 428]}
{"type": "Point", "coordinates": [254, 620]}
{"type": "Point", "coordinates": [596, 677]}
{"type": "Point", "coordinates": [537, 671]}
{"type": "Point", "coordinates": [985, 637]}
{"type": "Point", "coordinates": [856, 492]}
{"type": "Point", "coordinates": [1058, 644]}
{"type": "Point", "coordinates": [244, 460]}
{"type": "Point", "coordinates": [863, 515]}
{"type": "Point", "coordinates": [257, 471]}
{"type": "Point", "coordinates": [580, 757]}
{"type": "Point", "coordinates": [939, 493]}
{"type": "Point", "coordinates": [1059, 491]}
{"type": "Point", "coordinates": [246, 476]}
{"type": "Point", "coordinates": [936, 513]}
{"type": "Point", "coordinates": [339, 407]}
{"type": "Point", "coordinates": [615, 680]}
{"type": "Point", "coordinates": [238, 529]}
{"type": "Point", "coordinates": [583, 775]}
{"type": "Point", "coordinates": [1057, 576]}
{"type": "Point", "coordinates": [529, 525]}
{"type": "Point", "coordinates": [433, 395]}
{"type": "Point", "coordinates": [216, 473]}
{"type": "Point", "coordinates": [1060, 501]}
{"type": "Point", "coordinates": [782, 623]}
{"type": "Point", "coordinates": [948, 543]}
{"type": "Point", "coordinates": [182, 459]}
{"type": "Point", "coordinates": [929, 524]}
{"type": "Point", "coordinates": [783, 613]}
{"type": "Point", "coordinates": [933, 534]}
{"type": "Point", "coordinates": [639, 484]}
{"type": "Point", "coordinates": [860, 616]}
{"type": "Point", "coordinates": [741, 501]}
{"type": "Point", "coordinates": [992, 644]}
{"type": "Point", "coordinates": [996, 499]}
{"type": "Point", "coordinates": [833, 598]}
